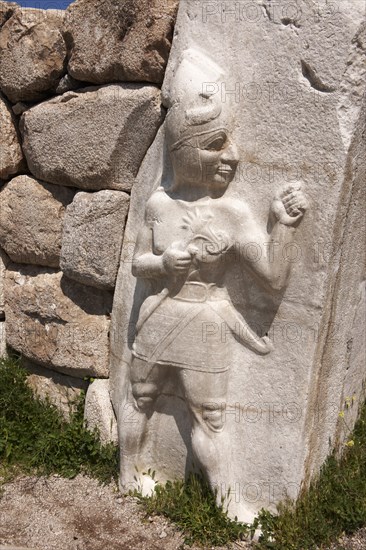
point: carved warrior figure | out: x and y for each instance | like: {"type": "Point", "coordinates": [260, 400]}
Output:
{"type": "Point", "coordinates": [192, 232]}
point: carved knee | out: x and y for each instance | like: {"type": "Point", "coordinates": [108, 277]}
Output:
{"type": "Point", "coordinates": [212, 415]}
{"type": "Point", "coordinates": [145, 394]}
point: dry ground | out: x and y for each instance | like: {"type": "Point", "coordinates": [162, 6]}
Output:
{"type": "Point", "coordinates": [80, 514]}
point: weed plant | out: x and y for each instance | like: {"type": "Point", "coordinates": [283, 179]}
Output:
{"type": "Point", "coordinates": [36, 439]}
{"type": "Point", "coordinates": [334, 504]}
{"type": "Point", "coordinates": [192, 506]}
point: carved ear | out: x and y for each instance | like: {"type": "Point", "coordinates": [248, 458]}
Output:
{"type": "Point", "coordinates": [208, 110]}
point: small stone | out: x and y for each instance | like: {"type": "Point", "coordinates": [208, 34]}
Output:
{"type": "Point", "coordinates": [19, 108]}
{"type": "Point", "coordinates": [11, 156]}
{"type": "Point", "coordinates": [99, 413]}
{"type": "Point", "coordinates": [2, 339]}
{"type": "Point", "coordinates": [60, 390]}
{"type": "Point", "coordinates": [4, 260]}
{"type": "Point", "coordinates": [66, 84]}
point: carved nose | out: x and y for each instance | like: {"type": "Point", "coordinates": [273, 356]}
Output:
{"type": "Point", "coordinates": [231, 154]}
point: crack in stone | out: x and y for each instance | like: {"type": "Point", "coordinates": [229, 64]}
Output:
{"type": "Point", "coordinates": [288, 21]}
{"type": "Point", "coordinates": [314, 80]}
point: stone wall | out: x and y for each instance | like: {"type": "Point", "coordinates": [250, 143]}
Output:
{"type": "Point", "coordinates": [79, 107]}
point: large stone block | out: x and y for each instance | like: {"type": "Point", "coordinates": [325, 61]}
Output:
{"type": "Point", "coordinates": [92, 237]}
{"type": "Point", "coordinates": [98, 412]}
{"type": "Point", "coordinates": [92, 139]}
{"type": "Point", "coordinates": [32, 54]}
{"type": "Point", "coordinates": [31, 218]}
{"type": "Point", "coordinates": [235, 334]}
{"type": "Point", "coordinates": [57, 323]}
{"type": "Point", "coordinates": [114, 40]}
{"type": "Point", "coordinates": [11, 155]}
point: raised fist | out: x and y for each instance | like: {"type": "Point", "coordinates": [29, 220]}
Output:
{"type": "Point", "coordinates": [289, 205]}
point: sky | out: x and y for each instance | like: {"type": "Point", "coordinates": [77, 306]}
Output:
{"type": "Point", "coordinates": [44, 4]}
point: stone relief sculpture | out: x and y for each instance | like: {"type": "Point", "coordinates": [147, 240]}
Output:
{"type": "Point", "coordinates": [192, 234]}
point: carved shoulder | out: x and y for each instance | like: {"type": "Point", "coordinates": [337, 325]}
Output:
{"type": "Point", "coordinates": [156, 203]}
{"type": "Point", "coordinates": [236, 210]}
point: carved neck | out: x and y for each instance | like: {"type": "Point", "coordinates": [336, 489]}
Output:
{"type": "Point", "coordinates": [192, 193]}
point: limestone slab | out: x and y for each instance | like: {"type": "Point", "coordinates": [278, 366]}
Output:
{"type": "Point", "coordinates": [113, 40]}
{"type": "Point", "coordinates": [31, 219]}
{"type": "Point", "coordinates": [92, 237]}
{"type": "Point", "coordinates": [92, 139]}
{"type": "Point", "coordinates": [57, 323]}
{"type": "Point", "coordinates": [287, 116]}
{"type": "Point", "coordinates": [32, 54]}
{"type": "Point", "coordinates": [11, 155]}
{"type": "Point", "coordinates": [98, 412]}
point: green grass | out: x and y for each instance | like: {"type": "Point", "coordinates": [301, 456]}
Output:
{"type": "Point", "coordinates": [35, 438]}
{"type": "Point", "coordinates": [334, 504]}
{"type": "Point", "coordinates": [192, 507]}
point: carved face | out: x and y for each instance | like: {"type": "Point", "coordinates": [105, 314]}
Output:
{"type": "Point", "coordinates": [208, 159]}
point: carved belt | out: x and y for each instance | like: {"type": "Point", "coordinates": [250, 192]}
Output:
{"type": "Point", "coordinates": [194, 291]}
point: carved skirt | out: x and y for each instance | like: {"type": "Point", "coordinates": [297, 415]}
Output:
{"type": "Point", "coordinates": [195, 329]}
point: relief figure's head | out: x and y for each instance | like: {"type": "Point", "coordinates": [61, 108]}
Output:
{"type": "Point", "coordinates": [197, 125]}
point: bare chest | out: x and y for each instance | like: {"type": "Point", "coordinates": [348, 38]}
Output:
{"type": "Point", "coordinates": [199, 226]}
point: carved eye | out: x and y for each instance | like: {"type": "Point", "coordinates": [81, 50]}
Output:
{"type": "Point", "coordinates": [216, 144]}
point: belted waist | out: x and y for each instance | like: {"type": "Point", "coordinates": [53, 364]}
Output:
{"type": "Point", "coordinates": [195, 291]}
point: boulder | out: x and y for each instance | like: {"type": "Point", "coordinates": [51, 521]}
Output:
{"type": "Point", "coordinates": [92, 237]}
{"type": "Point", "coordinates": [57, 323]}
{"type": "Point", "coordinates": [93, 139]}
{"type": "Point", "coordinates": [116, 40]}
{"type": "Point", "coordinates": [11, 156]}
{"type": "Point", "coordinates": [32, 54]}
{"type": "Point", "coordinates": [31, 218]}
{"type": "Point", "coordinates": [98, 412]}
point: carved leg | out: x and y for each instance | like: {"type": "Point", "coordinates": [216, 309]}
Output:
{"type": "Point", "coordinates": [146, 385]}
{"type": "Point", "coordinates": [205, 395]}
